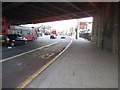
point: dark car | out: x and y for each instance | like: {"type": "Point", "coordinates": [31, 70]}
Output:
{"type": "Point", "coordinates": [12, 39]}
{"type": "Point", "coordinates": [52, 36]}
{"type": "Point", "coordinates": [63, 36]}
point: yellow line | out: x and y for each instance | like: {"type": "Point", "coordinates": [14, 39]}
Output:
{"type": "Point", "coordinates": [26, 82]}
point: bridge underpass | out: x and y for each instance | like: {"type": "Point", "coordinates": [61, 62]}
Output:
{"type": "Point", "coordinates": [104, 35]}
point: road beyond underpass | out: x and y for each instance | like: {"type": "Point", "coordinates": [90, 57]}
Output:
{"type": "Point", "coordinates": [17, 69]}
{"type": "Point", "coordinates": [31, 45]}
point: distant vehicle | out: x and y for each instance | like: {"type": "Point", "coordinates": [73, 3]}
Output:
{"type": "Point", "coordinates": [52, 36]}
{"type": "Point", "coordinates": [12, 39]}
{"type": "Point", "coordinates": [47, 33]}
{"type": "Point", "coordinates": [39, 34]}
{"type": "Point", "coordinates": [4, 26]}
{"type": "Point", "coordinates": [63, 36]}
{"type": "Point", "coordinates": [54, 32]}
{"type": "Point", "coordinates": [29, 34]}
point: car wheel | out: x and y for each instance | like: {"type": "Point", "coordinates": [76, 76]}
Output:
{"type": "Point", "coordinates": [12, 44]}
{"type": "Point", "coordinates": [33, 38]}
{"type": "Point", "coordinates": [25, 42]}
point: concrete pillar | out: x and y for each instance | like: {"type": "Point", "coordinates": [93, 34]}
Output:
{"type": "Point", "coordinates": [105, 27]}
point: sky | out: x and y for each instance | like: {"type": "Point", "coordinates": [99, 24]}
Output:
{"type": "Point", "coordinates": [63, 24]}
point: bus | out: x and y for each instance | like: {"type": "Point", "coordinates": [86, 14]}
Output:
{"type": "Point", "coordinates": [30, 34]}
{"type": "Point", "coordinates": [3, 27]}
{"type": "Point", "coordinates": [27, 32]}
{"type": "Point", "coordinates": [54, 32]}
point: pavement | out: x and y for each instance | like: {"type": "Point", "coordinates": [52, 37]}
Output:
{"type": "Point", "coordinates": [82, 65]}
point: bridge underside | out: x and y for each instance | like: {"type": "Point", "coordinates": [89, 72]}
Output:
{"type": "Point", "coordinates": [105, 14]}
{"type": "Point", "coordinates": [36, 12]}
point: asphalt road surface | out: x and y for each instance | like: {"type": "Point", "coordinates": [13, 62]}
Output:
{"type": "Point", "coordinates": [41, 41]}
{"type": "Point", "coordinates": [18, 69]}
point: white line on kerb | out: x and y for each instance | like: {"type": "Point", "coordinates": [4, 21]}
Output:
{"type": "Point", "coordinates": [27, 52]}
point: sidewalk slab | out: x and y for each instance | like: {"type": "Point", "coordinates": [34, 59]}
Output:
{"type": "Point", "coordinates": [82, 65]}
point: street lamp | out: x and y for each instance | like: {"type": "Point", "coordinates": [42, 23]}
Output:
{"type": "Point", "coordinates": [76, 29]}
{"type": "Point", "coordinates": [76, 33]}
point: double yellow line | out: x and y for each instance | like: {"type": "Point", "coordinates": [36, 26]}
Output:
{"type": "Point", "coordinates": [33, 76]}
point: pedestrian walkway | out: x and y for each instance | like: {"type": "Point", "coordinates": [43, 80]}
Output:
{"type": "Point", "coordinates": [82, 65]}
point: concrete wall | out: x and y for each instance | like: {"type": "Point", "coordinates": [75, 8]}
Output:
{"type": "Point", "coordinates": [105, 27]}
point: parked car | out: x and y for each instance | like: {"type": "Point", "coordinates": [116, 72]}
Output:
{"type": "Point", "coordinates": [52, 36]}
{"type": "Point", "coordinates": [12, 39]}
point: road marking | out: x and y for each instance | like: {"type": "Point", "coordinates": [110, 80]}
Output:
{"type": "Point", "coordinates": [50, 55]}
{"type": "Point", "coordinates": [33, 76]}
{"type": "Point", "coordinates": [28, 52]}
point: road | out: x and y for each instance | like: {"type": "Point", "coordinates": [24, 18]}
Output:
{"type": "Point", "coordinates": [41, 41]}
{"type": "Point", "coordinates": [18, 69]}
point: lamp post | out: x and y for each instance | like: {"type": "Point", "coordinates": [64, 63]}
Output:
{"type": "Point", "coordinates": [76, 29]}
{"type": "Point", "coordinates": [76, 33]}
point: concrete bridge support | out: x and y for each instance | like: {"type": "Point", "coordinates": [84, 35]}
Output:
{"type": "Point", "coordinates": [105, 27]}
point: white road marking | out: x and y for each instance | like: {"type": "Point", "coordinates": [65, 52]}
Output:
{"type": "Point", "coordinates": [27, 52]}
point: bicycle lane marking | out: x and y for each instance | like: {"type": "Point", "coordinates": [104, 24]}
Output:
{"type": "Point", "coordinates": [28, 52]}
